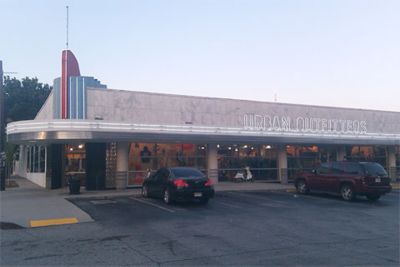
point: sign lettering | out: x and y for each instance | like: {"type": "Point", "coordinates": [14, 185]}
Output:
{"type": "Point", "coordinates": [270, 123]}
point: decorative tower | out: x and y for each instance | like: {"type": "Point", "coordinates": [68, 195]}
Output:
{"type": "Point", "coordinates": [69, 68]}
{"type": "Point", "coordinates": [70, 91]}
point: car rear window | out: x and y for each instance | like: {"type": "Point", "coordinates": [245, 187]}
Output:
{"type": "Point", "coordinates": [374, 169]}
{"type": "Point", "coordinates": [186, 172]}
{"type": "Point", "coordinates": [324, 168]}
{"type": "Point", "coordinates": [353, 168]}
{"type": "Point", "coordinates": [337, 167]}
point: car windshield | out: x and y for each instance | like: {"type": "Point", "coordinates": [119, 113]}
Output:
{"type": "Point", "coordinates": [374, 169]}
{"type": "Point", "coordinates": [186, 173]}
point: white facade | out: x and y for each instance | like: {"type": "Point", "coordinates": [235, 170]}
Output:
{"type": "Point", "coordinates": [125, 116]}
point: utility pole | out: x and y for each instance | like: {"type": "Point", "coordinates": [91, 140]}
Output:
{"type": "Point", "coordinates": [2, 136]}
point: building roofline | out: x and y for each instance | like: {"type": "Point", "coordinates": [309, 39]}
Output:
{"type": "Point", "coordinates": [246, 100]}
{"type": "Point", "coordinates": [97, 130]}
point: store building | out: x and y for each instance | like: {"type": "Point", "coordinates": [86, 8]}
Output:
{"type": "Point", "coordinates": [111, 138]}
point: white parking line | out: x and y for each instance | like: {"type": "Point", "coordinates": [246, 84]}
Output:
{"type": "Point", "coordinates": [229, 205]}
{"type": "Point", "coordinates": [250, 196]}
{"type": "Point", "coordinates": [273, 205]}
{"type": "Point", "coordinates": [266, 201]}
{"type": "Point", "coordinates": [152, 204]}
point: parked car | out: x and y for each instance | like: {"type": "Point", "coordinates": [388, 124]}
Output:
{"type": "Point", "coordinates": [178, 184]}
{"type": "Point", "coordinates": [348, 179]}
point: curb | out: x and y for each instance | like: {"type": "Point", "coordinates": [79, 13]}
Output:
{"type": "Point", "coordinates": [396, 186]}
{"type": "Point", "coordinates": [51, 222]}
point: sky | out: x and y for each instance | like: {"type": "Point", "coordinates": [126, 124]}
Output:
{"type": "Point", "coordinates": [342, 53]}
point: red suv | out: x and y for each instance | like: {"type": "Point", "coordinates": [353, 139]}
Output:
{"type": "Point", "coordinates": [347, 179]}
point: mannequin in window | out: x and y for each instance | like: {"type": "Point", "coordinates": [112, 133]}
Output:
{"type": "Point", "coordinates": [145, 154]}
{"type": "Point", "coordinates": [180, 157]}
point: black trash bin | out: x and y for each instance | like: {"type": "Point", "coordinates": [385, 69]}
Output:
{"type": "Point", "coordinates": [74, 185]}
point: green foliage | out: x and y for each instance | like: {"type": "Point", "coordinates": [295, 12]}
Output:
{"type": "Point", "coordinates": [23, 99]}
{"type": "Point", "coordinates": [10, 150]}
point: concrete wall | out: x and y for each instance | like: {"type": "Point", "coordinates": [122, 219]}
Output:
{"type": "Point", "coordinates": [38, 178]}
{"type": "Point", "coordinates": [164, 109]}
{"type": "Point", "coordinates": [20, 167]}
{"type": "Point", "coordinates": [46, 112]}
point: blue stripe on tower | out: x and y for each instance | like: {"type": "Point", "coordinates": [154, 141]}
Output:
{"type": "Point", "coordinates": [56, 99]}
{"type": "Point", "coordinates": [83, 98]}
{"type": "Point", "coordinates": [69, 98]}
{"type": "Point", "coordinates": [80, 102]}
{"type": "Point", "coordinates": [77, 92]}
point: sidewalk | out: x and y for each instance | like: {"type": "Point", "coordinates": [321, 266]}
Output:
{"type": "Point", "coordinates": [29, 205]}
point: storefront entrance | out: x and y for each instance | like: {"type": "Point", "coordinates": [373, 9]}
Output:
{"type": "Point", "coordinates": [85, 162]}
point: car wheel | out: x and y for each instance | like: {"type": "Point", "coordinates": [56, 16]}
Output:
{"type": "Point", "coordinates": [167, 196]}
{"type": "Point", "coordinates": [204, 201]}
{"type": "Point", "coordinates": [145, 192]}
{"type": "Point", "coordinates": [373, 197]}
{"type": "Point", "coordinates": [302, 187]}
{"type": "Point", "coordinates": [347, 192]}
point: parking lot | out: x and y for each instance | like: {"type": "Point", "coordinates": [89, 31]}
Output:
{"type": "Point", "coordinates": [235, 228]}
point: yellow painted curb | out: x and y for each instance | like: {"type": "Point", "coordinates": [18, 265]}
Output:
{"type": "Point", "coordinates": [40, 223]}
{"type": "Point", "coordinates": [291, 190]}
{"type": "Point", "coordinates": [396, 186]}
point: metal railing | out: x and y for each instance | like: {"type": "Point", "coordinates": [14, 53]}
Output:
{"type": "Point", "coordinates": [264, 174]}
{"type": "Point", "coordinates": [394, 173]}
{"type": "Point", "coordinates": [132, 179]}
{"type": "Point", "coordinates": [136, 178]}
{"type": "Point", "coordinates": [292, 173]}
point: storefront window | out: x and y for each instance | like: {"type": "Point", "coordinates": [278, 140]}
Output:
{"type": "Point", "coordinates": [75, 161]}
{"type": "Point", "coordinates": [327, 153]}
{"type": "Point", "coordinates": [28, 163]}
{"type": "Point", "coordinates": [303, 157]}
{"type": "Point", "coordinates": [145, 157]}
{"type": "Point", "coordinates": [42, 159]}
{"type": "Point", "coordinates": [367, 153]}
{"type": "Point", "coordinates": [75, 158]}
{"type": "Point", "coordinates": [36, 159]}
{"type": "Point", "coordinates": [233, 159]}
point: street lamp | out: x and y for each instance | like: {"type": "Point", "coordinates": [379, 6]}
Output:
{"type": "Point", "coordinates": [2, 153]}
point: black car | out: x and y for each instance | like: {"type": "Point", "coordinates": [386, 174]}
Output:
{"type": "Point", "coordinates": [179, 184]}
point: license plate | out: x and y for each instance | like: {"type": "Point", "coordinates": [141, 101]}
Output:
{"type": "Point", "coordinates": [198, 194]}
{"type": "Point", "coordinates": [377, 180]}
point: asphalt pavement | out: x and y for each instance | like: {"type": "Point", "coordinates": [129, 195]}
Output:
{"type": "Point", "coordinates": [236, 228]}
{"type": "Point", "coordinates": [28, 205]}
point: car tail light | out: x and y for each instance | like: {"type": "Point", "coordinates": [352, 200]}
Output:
{"type": "Point", "coordinates": [209, 182]}
{"type": "Point", "coordinates": [180, 183]}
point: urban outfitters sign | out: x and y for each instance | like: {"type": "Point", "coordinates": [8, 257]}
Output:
{"type": "Point", "coordinates": [303, 124]}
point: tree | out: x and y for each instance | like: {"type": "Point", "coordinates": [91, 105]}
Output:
{"type": "Point", "coordinates": [23, 99]}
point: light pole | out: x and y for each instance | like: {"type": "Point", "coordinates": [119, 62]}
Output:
{"type": "Point", "coordinates": [2, 136]}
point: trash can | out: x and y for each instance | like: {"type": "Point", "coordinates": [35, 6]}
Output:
{"type": "Point", "coordinates": [74, 185]}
